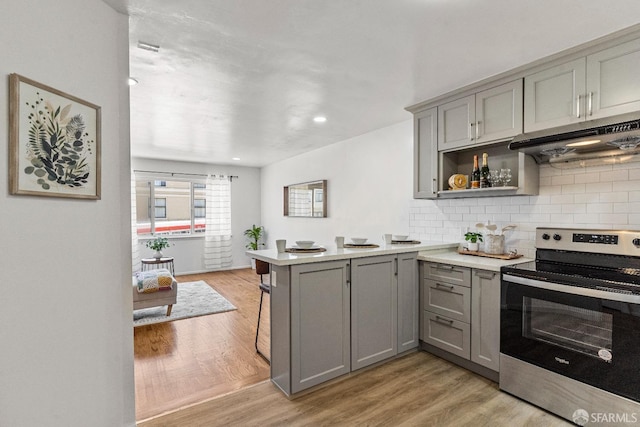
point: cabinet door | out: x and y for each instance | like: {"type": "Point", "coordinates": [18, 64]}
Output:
{"type": "Point", "coordinates": [485, 318]}
{"type": "Point", "coordinates": [408, 302]}
{"type": "Point", "coordinates": [613, 86]}
{"type": "Point", "coordinates": [425, 154]}
{"type": "Point", "coordinates": [554, 97]}
{"type": "Point", "coordinates": [499, 112]}
{"type": "Point", "coordinates": [374, 310]}
{"type": "Point", "coordinates": [320, 333]}
{"type": "Point", "coordinates": [456, 123]}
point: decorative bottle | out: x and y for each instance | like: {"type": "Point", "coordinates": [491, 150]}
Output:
{"type": "Point", "coordinates": [475, 174]}
{"type": "Point", "coordinates": [485, 182]}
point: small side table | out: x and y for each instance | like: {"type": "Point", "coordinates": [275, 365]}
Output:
{"type": "Point", "coordinates": [155, 263]}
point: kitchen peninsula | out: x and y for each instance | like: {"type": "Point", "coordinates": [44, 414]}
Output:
{"type": "Point", "coordinates": [340, 310]}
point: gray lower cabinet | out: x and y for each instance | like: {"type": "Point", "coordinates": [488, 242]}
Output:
{"type": "Point", "coordinates": [408, 302]}
{"type": "Point", "coordinates": [330, 318]}
{"type": "Point", "coordinates": [485, 318]}
{"type": "Point", "coordinates": [374, 310]}
{"type": "Point", "coordinates": [460, 311]}
{"type": "Point", "coordinates": [310, 324]}
{"type": "Point", "coordinates": [447, 305]}
{"type": "Point", "coordinates": [385, 306]}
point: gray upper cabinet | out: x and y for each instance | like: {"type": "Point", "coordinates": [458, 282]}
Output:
{"type": "Point", "coordinates": [320, 323]}
{"type": "Point", "coordinates": [486, 116]}
{"type": "Point", "coordinates": [552, 96]}
{"type": "Point", "coordinates": [425, 154]}
{"type": "Point", "coordinates": [455, 123]}
{"type": "Point", "coordinates": [613, 86]}
{"type": "Point", "coordinates": [408, 302]}
{"type": "Point", "coordinates": [599, 85]}
{"type": "Point", "coordinates": [499, 112]}
{"type": "Point", "coordinates": [485, 318]}
{"type": "Point", "coordinates": [374, 310]}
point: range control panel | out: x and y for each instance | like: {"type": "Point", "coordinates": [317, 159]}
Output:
{"type": "Point", "coordinates": [605, 239]}
{"type": "Point", "coordinates": [615, 242]}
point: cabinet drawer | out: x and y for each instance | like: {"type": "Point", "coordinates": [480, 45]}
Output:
{"type": "Point", "coordinates": [448, 334]}
{"type": "Point", "coordinates": [446, 273]}
{"type": "Point", "coordinates": [453, 301]}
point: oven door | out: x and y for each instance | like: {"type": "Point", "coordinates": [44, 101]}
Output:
{"type": "Point", "coordinates": [590, 335]}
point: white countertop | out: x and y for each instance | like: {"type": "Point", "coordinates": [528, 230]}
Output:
{"type": "Point", "coordinates": [333, 254]}
{"type": "Point", "coordinates": [472, 261]}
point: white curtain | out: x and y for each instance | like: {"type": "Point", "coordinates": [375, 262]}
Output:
{"type": "Point", "coordinates": [135, 248]}
{"type": "Point", "coordinates": [217, 238]}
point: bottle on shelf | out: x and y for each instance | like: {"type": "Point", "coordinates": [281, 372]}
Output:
{"type": "Point", "coordinates": [475, 174]}
{"type": "Point", "coordinates": [485, 175]}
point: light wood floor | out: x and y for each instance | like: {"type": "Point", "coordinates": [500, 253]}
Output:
{"type": "Point", "coordinates": [187, 361]}
{"type": "Point", "coordinates": [416, 390]}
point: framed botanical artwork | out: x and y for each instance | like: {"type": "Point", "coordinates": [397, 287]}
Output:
{"type": "Point", "coordinates": [54, 142]}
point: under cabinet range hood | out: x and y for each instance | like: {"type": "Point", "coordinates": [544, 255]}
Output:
{"type": "Point", "coordinates": [609, 140]}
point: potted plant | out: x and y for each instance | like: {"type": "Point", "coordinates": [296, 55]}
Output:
{"type": "Point", "coordinates": [473, 238]}
{"type": "Point", "coordinates": [254, 234]}
{"type": "Point", "coordinates": [158, 244]}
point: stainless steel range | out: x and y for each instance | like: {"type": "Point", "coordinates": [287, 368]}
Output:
{"type": "Point", "coordinates": [570, 326]}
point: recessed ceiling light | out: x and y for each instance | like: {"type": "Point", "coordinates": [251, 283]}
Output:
{"type": "Point", "coordinates": [148, 46]}
{"type": "Point", "coordinates": [132, 82]}
{"type": "Point", "coordinates": [320, 119]}
{"type": "Point", "coordinates": [235, 158]}
{"type": "Point", "coordinates": [583, 143]}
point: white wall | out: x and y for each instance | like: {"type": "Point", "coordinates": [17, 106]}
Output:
{"type": "Point", "coordinates": [369, 187]}
{"type": "Point", "coordinates": [245, 211]}
{"type": "Point", "coordinates": [66, 341]}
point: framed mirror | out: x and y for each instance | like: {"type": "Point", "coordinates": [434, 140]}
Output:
{"type": "Point", "coordinates": [308, 199]}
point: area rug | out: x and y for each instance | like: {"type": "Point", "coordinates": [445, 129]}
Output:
{"type": "Point", "coordinates": [194, 299]}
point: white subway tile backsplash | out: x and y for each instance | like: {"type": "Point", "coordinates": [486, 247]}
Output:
{"type": "Point", "coordinates": [634, 221]}
{"type": "Point", "coordinates": [586, 178]}
{"type": "Point", "coordinates": [586, 198]}
{"type": "Point", "coordinates": [562, 180]}
{"type": "Point", "coordinates": [601, 187]}
{"type": "Point", "coordinates": [550, 190]}
{"type": "Point", "coordinates": [616, 220]}
{"type": "Point", "coordinates": [627, 185]}
{"type": "Point", "coordinates": [562, 219]}
{"type": "Point", "coordinates": [634, 196]}
{"type": "Point", "coordinates": [613, 197]}
{"type": "Point", "coordinates": [573, 188]}
{"type": "Point", "coordinates": [635, 173]}
{"type": "Point", "coordinates": [562, 198]}
{"type": "Point", "coordinates": [545, 181]}
{"type": "Point", "coordinates": [622, 208]}
{"type": "Point", "coordinates": [587, 218]}
{"type": "Point", "coordinates": [615, 176]}
{"type": "Point", "coordinates": [600, 208]}
{"type": "Point", "coordinates": [606, 197]}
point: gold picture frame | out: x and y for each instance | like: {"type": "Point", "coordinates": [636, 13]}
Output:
{"type": "Point", "coordinates": [54, 142]}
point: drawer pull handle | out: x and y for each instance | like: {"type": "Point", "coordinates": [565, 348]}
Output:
{"type": "Point", "coordinates": [444, 267]}
{"type": "Point", "coordinates": [488, 276]}
{"type": "Point", "coordinates": [444, 321]}
{"type": "Point", "coordinates": [440, 285]}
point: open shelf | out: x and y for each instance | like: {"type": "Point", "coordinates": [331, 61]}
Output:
{"type": "Point", "coordinates": [524, 171]}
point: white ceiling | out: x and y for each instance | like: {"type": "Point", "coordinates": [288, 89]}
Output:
{"type": "Point", "coordinates": [244, 78]}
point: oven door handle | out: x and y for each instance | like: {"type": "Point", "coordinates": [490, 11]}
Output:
{"type": "Point", "coordinates": [574, 290]}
